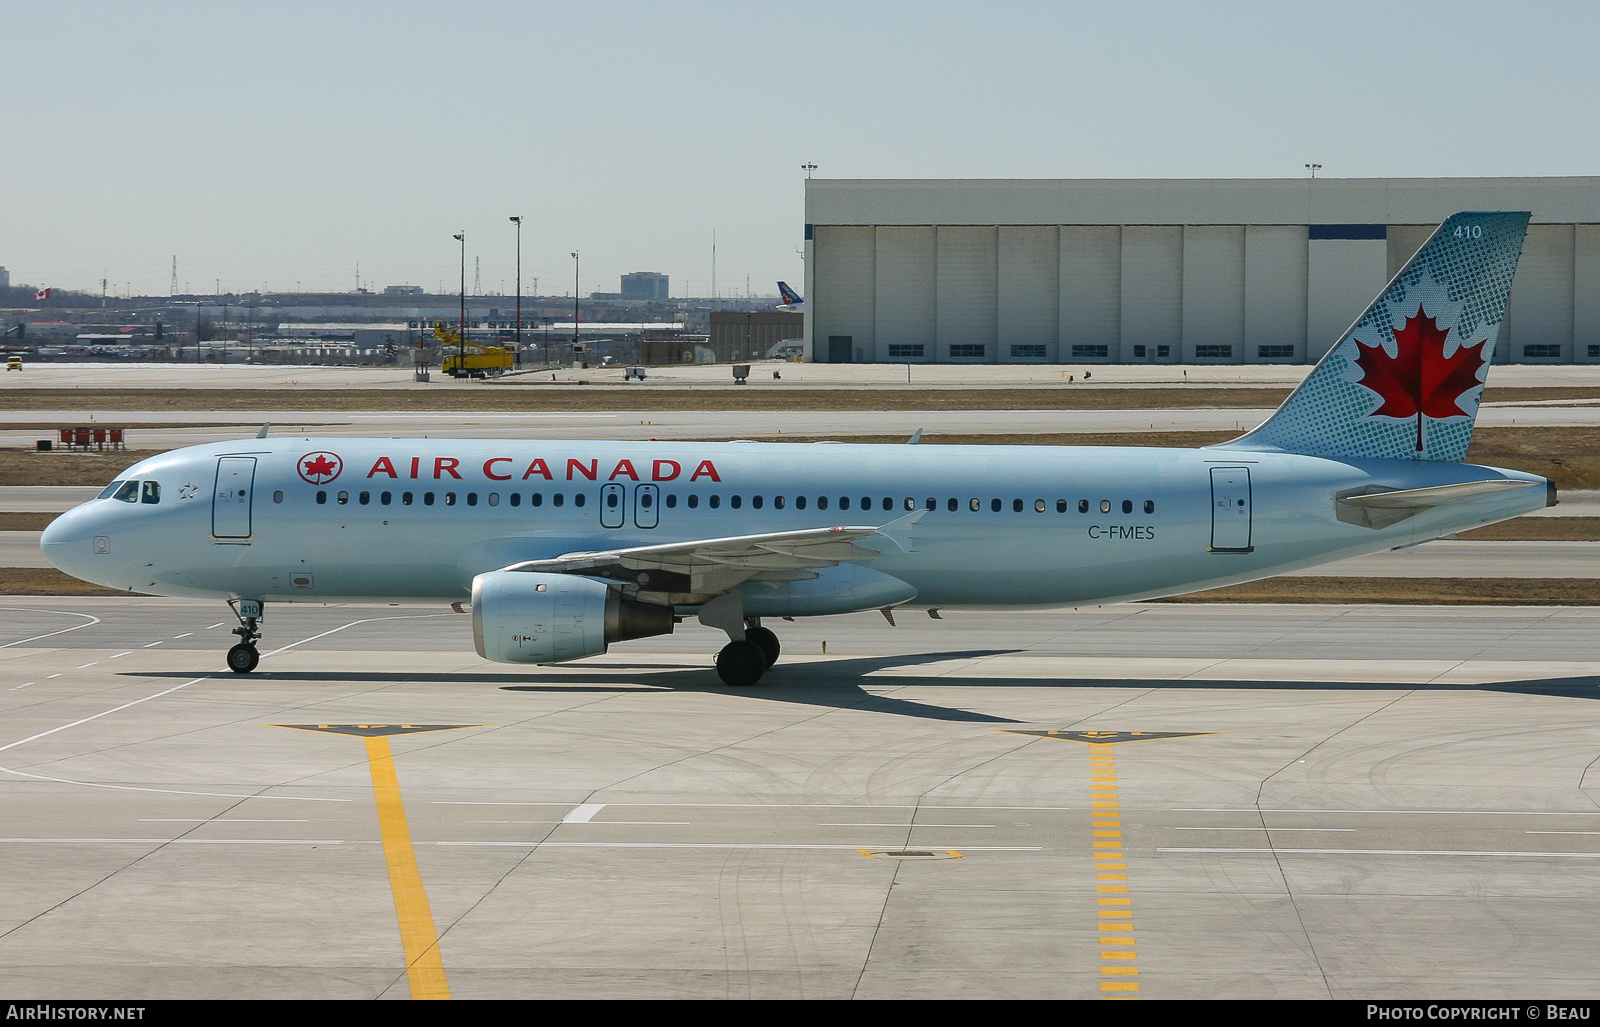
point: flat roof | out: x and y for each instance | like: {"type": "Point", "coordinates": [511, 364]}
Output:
{"type": "Point", "coordinates": [1192, 201]}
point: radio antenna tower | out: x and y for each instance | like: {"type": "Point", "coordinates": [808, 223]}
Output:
{"type": "Point", "coordinates": [477, 276]}
{"type": "Point", "coordinates": [173, 289]}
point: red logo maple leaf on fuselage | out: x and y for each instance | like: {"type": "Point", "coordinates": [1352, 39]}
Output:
{"type": "Point", "coordinates": [1419, 380]}
{"type": "Point", "coordinates": [319, 467]}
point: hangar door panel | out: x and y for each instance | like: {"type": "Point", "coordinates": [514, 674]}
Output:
{"type": "Point", "coordinates": [1230, 509]}
{"type": "Point", "coordinates": [230, 503]}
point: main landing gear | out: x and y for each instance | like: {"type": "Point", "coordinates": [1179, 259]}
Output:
{"type": "Point", "coordinates": [743, 660]}
{"type": "Point", "coordinates": [242, 658]}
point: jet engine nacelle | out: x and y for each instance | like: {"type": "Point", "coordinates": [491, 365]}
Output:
{"type": "Point", "coordinates": [520, 617]}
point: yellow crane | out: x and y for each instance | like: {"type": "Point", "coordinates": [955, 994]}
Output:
{"type": "Point", "coordinates": [480, 361]}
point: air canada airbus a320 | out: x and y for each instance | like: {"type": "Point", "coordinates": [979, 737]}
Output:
{"type": "Point", "coordinates": [563, 547]}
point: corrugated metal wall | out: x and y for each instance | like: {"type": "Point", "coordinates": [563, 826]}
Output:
{"type": "Point", "coordinates": [1106, 293]}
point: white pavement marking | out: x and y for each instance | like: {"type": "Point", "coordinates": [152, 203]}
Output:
{"type": "Point", "coordinates": [584, 813]}
{"type": "Point", "coordinates": [1401, 812]}
{"type": "Point", "coordinates": [1265, 829]}
{"type": "Point", "coordinates": [92, 621]}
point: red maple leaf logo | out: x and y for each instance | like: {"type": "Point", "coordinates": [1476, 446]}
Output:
{"type": "Point", "coordinates": [320, 468]}
{"type": "Point", "coordinates": [1419, 380]}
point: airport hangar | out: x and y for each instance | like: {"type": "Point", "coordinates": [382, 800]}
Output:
{"type": "Point", "coordinates": [1190, 271]}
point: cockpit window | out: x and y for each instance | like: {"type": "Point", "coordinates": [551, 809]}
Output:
{"type": "Point", "coordinates": [150, 492]}
{"type": "Point", "coordinates": [110, 490]}
{"type": "Point", "coordinates": [128, 492]}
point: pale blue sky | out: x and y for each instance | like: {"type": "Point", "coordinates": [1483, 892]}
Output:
{"type": "Point", "coordinates": [276, 143]}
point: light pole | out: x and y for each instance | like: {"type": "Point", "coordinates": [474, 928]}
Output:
{"type": "Point", "coordinates": [575, 350]}
{"type": "Point", "coordinates": [518, 222]}
{"type": "Point", "coordinates": [461, 364]}
{"type": "Point", "coordinates": [1313, 168]}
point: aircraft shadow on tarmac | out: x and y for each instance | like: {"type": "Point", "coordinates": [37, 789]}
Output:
{"type": "Point", "coordinates": [842, 684]}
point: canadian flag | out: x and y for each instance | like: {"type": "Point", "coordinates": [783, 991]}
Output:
{"type": "Point", "coordinates": [43, 294]}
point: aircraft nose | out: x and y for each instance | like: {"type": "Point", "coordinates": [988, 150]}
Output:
{"type": "Point", "coordinates": [71, 539]}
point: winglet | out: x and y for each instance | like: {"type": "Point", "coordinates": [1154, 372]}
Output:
{"type": "Point", "coordinates": [915, 438]}
{"type": "Point", "coordinates": [263, 432]}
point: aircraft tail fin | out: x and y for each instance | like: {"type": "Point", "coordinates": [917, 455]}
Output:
{"type": "Point", "coordinates": [790, 297]}
{"type": "Point", "coordinates": [1403, 383]}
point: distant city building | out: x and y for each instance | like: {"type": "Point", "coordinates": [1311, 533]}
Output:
{"type": "Point", "coordinates": [5, 278]}
{"type": "Point", "coordinates": [644, 285]}
{"type": "Point", "coordinates": [402, 290]}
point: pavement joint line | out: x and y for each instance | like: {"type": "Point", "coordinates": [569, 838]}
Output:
{"type": "Point", "coordinates": [1401, 812]}
{"type": "Point", "coordinates": [1392, 852]}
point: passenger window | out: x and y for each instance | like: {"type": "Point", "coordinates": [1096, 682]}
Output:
{"type": "Point", "coordinates": [110, 490]}
{"type": "Point", "coordinates": [343, 498]}
{"type": "Point", "coordinates": [578, 499]}
{"type": "Point", "coordinates": [427, 499]}
{"type": "Point", "coordinates": [911, 504]}
{"type": "Point", "coordinates": [716, 501]}
{"type": "Point", "coordinates": [888, 504]}
{"type": "Point", "coordinates": [1105, 506]}
{"type": "Point", "coordinates": [755, 502]}
{"type": "Point", "coordinates": [645, 501]}
{"type": "Point", "coordinates": [672, 500]}
{"type": "Point", "coordinates": [952, 505]}
{"type": "Point", "coordinates": [1061, 506]}
{"type": "Point", "coordinates": [799, 502]}
{"type": "Point", "coordinates": [494, 499]}
{"type": "Point", "coordinates": [449, 499]}
{"type": "Point", "coordinates": [1083, 506]}
{"type": "Point", "coordinates": [844, 502]}
{"type": "Point", "coordinates": [777, 502]}
{"type": "Point", "coordinates": [537, 499]}
{"type": "Point", "coordinates": [150, 492]}
{"type": "Point", "coordinates": [1127, 506]}
{"type": "Point", "coordinates": [612, 500]}
{"type": "Point", "coordinates": [405, 499]}
{"type": "Point", "coordinates": [694, 501]}
{"type": "Point", "coordinates": [1016, 506]}
{"type": "Point", "coordinates": [975, 504]}
{"type": "Point", "coordinates": [1038, 506]}
{"type": "Point", "coordinates": [558, 499]}
{"type": "Point", "coordinates": [994, 505]}
{"type": "Point", "coordinates": [736, 502]}
{"type": "Point", "coordinates": [386, 498]}
{"type": "Point", "coordinates": [472, 499]}
{"type": "Point", "coordinates": [822, 502]}
{"type": "Point", "coordinates": [322, 497]}
{"type": "Point", "coordinates": [128, 493]}
{"type": "Point", "coordinates": [1149, 506]}
{"type": "Point", "coordinates": [277, 497]}
{"type": "Point", "coordinates": [516, 499]}
{"type": "Point", "coordinates": [364, 499]}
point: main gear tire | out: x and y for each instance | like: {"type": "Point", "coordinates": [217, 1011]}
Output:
{"type": "Point", "coordinates": [741, 664]}
{"type": "Point", "coordinates": [767, 641]}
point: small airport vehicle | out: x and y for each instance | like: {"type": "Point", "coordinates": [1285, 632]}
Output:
{"type": "Point", "coordinates": [479, 361]}
{"type": "Point", "coordinates": [564, 547]}
{"type": "Point", "coordinates": [14, 362]}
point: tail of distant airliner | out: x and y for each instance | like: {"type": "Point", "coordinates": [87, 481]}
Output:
{"type": "Point", "coordinates": [1404, 382]}
{"type": "Point", "coordinates": [791, 299]}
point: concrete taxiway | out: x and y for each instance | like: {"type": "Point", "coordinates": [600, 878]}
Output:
{"type": "Point", "coordinates": [1146, 801]}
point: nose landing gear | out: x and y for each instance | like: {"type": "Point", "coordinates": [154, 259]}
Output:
{"type": "Point", "coordinates": [242, 658]}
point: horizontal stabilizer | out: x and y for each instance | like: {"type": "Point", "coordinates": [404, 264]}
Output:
{"type": "Point", "coordinates": [1378, 506]}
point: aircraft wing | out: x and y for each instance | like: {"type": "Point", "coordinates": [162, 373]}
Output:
{"type": "Point", "coordinates": [686, 573]}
